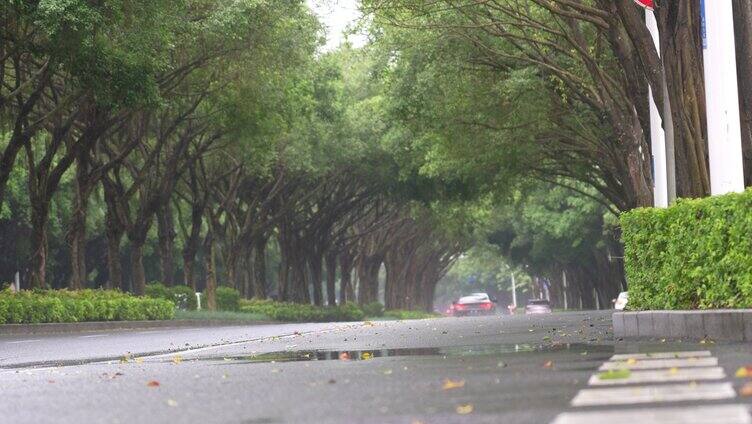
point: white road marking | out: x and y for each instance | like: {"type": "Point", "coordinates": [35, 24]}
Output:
{"type": "Point", "coordinates": [91, 336]}
{"type": "Point", "coordinates": [713, 414]}
{"type": "Point", "coordinates": [661, 355]}
{"type": "Point", "coordinates": [662, 376]}
{"type": "Point", "coordinates": [25, 341]}
{"type": "Point", "coordinates": [646, 364]}
{"type": "Point", "coordinates": [654, 394]}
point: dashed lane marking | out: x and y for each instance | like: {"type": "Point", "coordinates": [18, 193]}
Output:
{"type": "Point", "coordinates": [654, 394]}
{"type": "Point", "coordinates": [662, 376]}
{"type": "Point", "coordinates": [25, 341]}
{"type": "Point", "coordinates": [712, 414]}
{"type": "Point", "coordinates": [91, 336]}
{"type": "Point", "coordinates": [661, 355]}
{"type": "Point", "coordinates": [647, 364]}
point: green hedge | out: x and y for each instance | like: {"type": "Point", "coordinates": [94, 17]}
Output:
{"type": "Point", "coordinates": [373, 309]}
{"type": "Point", "coordinates": [33, 307]}
{"type": "Point", "coordinates": [228, 299]}
{"type": "Point", "coordinates": [293, 312]}
{"type": "Point", "coordinates": [181, 295]}
{"type": "Point", "coordinates": [405, 314]}
{"type": "Point", "coordinates": [695, 254]}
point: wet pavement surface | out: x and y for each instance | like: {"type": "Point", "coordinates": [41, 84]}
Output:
{"type": "Point", "coordinates": [500, 369]}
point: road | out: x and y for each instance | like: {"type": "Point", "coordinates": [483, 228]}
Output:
{"type": "Point", "coordinates": [498, 369]}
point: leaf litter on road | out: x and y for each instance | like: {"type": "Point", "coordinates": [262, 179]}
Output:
{"type": "Point", "coordinates": [464, 409]}
{"type": "Point", "coordinates": [450, 384]}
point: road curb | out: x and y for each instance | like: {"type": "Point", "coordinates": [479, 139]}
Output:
{"type": "Point", "coordinates": [719, 324]}
{"type": "Point", "coordinates": [85, 327]}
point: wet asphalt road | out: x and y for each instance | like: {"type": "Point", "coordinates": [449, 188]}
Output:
{"type": "Point", "coordinates": [505, 369]}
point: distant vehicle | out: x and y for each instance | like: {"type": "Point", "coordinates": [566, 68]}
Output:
{"type": "Point", "coordinates": [621, 302]}
{"type": "Point", "coordinates": [475, 304]}
{"type": "Point", "coordinates": [538, 306]}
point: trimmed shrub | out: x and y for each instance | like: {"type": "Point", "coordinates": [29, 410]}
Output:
{"type": "Point", "coordinates": [228, 299]}
{"type": "Point", "coordinates": [294, 312]}
{"type": "Point", "coordinates": [405, 314]}
{"type": "Point", "coordinates": [33, 307]}
{"type": "Point", "coordinates": [181, 295]}
{"type": "Point", "coordinates": [373, 309]}
{"type": "Point", "coordinates": [694, 254]}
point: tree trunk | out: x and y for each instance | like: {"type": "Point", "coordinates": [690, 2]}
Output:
{"type": "Point", "coordinates": [315, 267]}
{"type": "Point", "coordinates": [259, 269]}
{"type": "Point", "coordinates": [743, 27]}
{"type": "Point", "coordinates": [331, 279]}
{"type": "Point", "coordinates": [345, 276]}
{"type": "Point", "coordinates": [210, 292]}
{"type": "Point", "coordinates": [77, 232]}
{"type": "Point", "coordinates": [137, 267]}
{"type": "Point", "coordinates": [166, 234]}
{"type": "Point", "coordinates": [681, 48]}
{"type": "Point", "coordinates": [114, 265]}
{"type": "Point", "coordinates": [38, 261]}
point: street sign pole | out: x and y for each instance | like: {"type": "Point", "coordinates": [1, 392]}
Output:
{"type": "Point", "coordinates": [661, 136]}
{"type": "Point", "coordinates": [722, 97]}
{"type": "Point", "coordinates": [514, 292]}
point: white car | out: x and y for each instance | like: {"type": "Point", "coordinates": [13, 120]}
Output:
{"type": "Point", "coordinates": [621, 302]}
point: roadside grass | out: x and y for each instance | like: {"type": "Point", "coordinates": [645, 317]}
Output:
{"type": "Point", "coordinates": [221, 316]}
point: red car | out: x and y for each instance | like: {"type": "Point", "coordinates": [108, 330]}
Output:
{"type": "Point", "coordinates": [475, 304]}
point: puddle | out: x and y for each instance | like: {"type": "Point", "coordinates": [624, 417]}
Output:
{"type": "Point", "coordinates": [444, 352]}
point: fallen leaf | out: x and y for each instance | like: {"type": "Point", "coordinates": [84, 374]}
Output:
{"type": "Point", "coordinates": [172, 402]}
{"type": "Point", "coordinates": [387, 372]}
{"type": "Point", "coordinates": [344, 356]}
{"type": "Point", "coordinates": [501, 364]}
{"type": "Point", "coordinates": [139, 360]}
{"type": "Point", "coordinates": [452, 384]}
{"type": "Point", "coordinates": [673, 371]}
{"type": "Point", "coordinates": [153, 383]}
{"type": "Point", "coordinates": [366, 355]}
{"type": "Point", "coordinates": [614, 374]}
{"type": "Point", "coordinates": [744, 372]}
{"type": "Point", "coordinates": [631, 361]}
{"type": "Point", "coordinates": [464, 409]}
{"type": "Point", "coordinates": [177, 359]}
{"type": "Point", "coordinates": [548, 364]}
{"type": "Point", "coordinates": [746, 390]}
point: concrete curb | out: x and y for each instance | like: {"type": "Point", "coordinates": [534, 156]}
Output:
{"type": "Point", "coordinates": [85, 327]}
{"type": "Point", "coordinates": [720, 324]}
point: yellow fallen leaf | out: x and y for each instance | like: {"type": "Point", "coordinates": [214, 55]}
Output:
{"type": "Point", "coordinates": [673, 371]}
{"type": "Point", "coordinates": [366, 355]}
{"type": "Point", "coordinates": [139, 360]}
{"type": "Point", "coordinates": [464, 409]}
{"type": "Point", "coordinates": [177, 359]}
{"type": "Point", "coordinates": [744, 372]}
{"type": "Point", "coordinates": [631, 361]}
{"type": "Point", "coordinates": [452, 384]}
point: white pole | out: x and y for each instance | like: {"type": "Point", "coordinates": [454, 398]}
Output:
{"type": "Point", "coordinates": [198, 301]}
{"type": "Point", "coordinates": [514, 292]}
{"type": "Point", "coordinates": [564, 280]}
{"type": "Point", "coordinates": [722, 97]}
{"type": "Point", "coordinates": [657, 134]}
{"type": "Point", "coordinates": [597, 300]}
